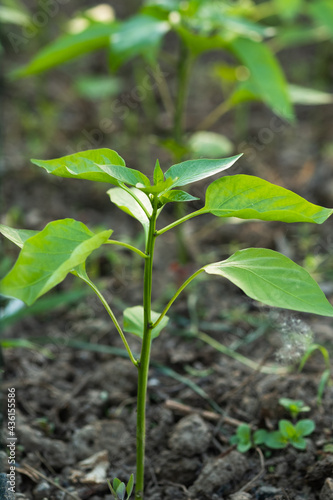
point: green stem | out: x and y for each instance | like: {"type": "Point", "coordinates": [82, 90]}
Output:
{"type": "Point", "coordinates": [184, 66]}
{"type": "Point", "coordinates": [180, 221]}
{"type": "Point", "coordinates": [83, 275]}
{"type": "Point", "coordinates": [212, 118]}
{"type": "Point", "coordinates": [178, 292]}
{"type": "Point", "coordinates": [126, 245]}
{"type": "Point", "coordinates": [130, 192]}
{"type": "Point", "coordinates": [143, 366]}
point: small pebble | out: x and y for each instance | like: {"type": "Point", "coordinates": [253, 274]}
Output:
{"type": "Point", "coordinates": [42, 490]}
{"type": "Point", "coordinates": [266, 492]}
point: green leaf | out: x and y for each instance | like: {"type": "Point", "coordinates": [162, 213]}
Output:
{"type": "Point", "coordinates": [101, 165]}
{"type": "Point", "coordinates": [275, 440]}
{"type": "Point", "coordinates": [120, 491]}
{"type": "Point", "coordinates": [134, 321]}
{"type": "Point", "coordinates": [130, 485]}
{"type": "Point", "coordinates": [209, 144]}
{"type": "Point", "coordinates": [116, 483]}
{"type": "Point", "coordinates": [128, 204]}
{"type": "Point", "coordinates": [298, 442]}
{"type": "Point", "coordinates": [249, 197]}
{"type": "Point", "coordinates": [305, 427]}
{"type": "Point", "coordinates": [309, 97]}
{"type": "Point", "coordinates": [158, 173]}
{"type": "Point", "coordinates": [139, 35]}
{"type": "Point", "coordinates": [244, 433]}
{"type": "Point", "coordinates": [266, 74]}
{"type": "Point", "coordinates": [288, 9]}
{"type": "Point", "coordinates": [176, 195]}
{"type": "Point", "coordinates": [68, 47]}
{"type": "Point", "coordinates": [275, 280]}
{"type": "Point", "coordinates": [17, 236]}
{"type": "Point", "coordinates": [260, 436]}
{"type": "Point", "coordinates": [243, 447]}
{"type": "Point", "coordinates": [195, 170]}
{"type": "Point", "coordinates": [47, 258]}
{"type": "Point", "coordinates": [322, 11]}
{"type": "Point", "coordinates": [287, 429]}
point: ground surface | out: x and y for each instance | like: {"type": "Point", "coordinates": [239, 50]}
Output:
{"type": "Point", "coordinates": [77, 399]}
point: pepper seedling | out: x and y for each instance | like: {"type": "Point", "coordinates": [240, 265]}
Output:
{"type": "Point", "coordinates": [62, 247]}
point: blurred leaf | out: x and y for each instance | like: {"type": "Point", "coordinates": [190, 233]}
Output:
{"type": "Point", "coordinates": [98, 87]}
{"type": "Point", "coordinates": [305, 427]}
{"type": "Point", "coordinates": [249, 197]}
{"type": "Point", "coordinates": [266, 74]}
{"type": "Point", "coordinates": [322, 11]}
{"type": "Point", "coordinates": [210, 145]}
{"type": "Point", "coordinates": [47, 258]}
{"type": "Point", "coordinates": [68, 47]}
{"type": "Point", "coordinates": [288, 9]}
{"type": "Point", "coordinates": [273, 279]}
{"type": "Point", "coordinates": [134, 322]}
{"type": "Point", "coordinates": [139, 35]}
{"type": "Point", "coordinates": [101, 165]}
{"type": "Point", "coordinates": [13, 16]}
{"type": "Point", "coordinates": [306, 96]}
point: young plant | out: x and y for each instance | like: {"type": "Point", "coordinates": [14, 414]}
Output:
{"type": "Point", "coordinates": [289, 434]}
{"type": "Point", "coordinates": [119, 490]}
{"type": "Point", "coordinates": [293, 406]}
{"type": "Point", "coordinates": [63, 246]}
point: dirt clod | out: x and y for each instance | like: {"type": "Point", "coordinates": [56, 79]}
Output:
{"type": "Point", "coordinates": [190, 436]}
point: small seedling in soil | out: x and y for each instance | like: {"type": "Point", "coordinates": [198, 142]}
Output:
{"type": "Point", "coordinates": [293, 406]}
{"type": "Point", "coordinates": [119, 490]}
{"type": "Point", "coordinates": [63, 246]}
{"type": "Point", "coordinates": [288, 434]}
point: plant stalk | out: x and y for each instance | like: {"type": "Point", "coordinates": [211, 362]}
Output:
{"type": "Point", "coordinates": [184, 66]}
{"type": "Point", "coordinates": [143, 365]}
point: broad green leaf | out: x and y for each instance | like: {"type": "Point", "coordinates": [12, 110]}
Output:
{"type": "Point", "coordinates": [17, 236]}
{"type": "Point", "coordinates": [47, 258]}
{"type": "Point", "coordinates": [259, 436]}
{"type": "Point", "coordinates": [322, 11]}
{"type": "Point", "coordinates": [273, 279]}
{"type": "Point", "coordinates": [249, 197]}
{"type": "Point", "coordinates": [158, 173]}
{"type": "Point", "coordinates": [195, 170]}
{"type": "Point", "coordinates": [287, 429]}
{"type": "Point", "coordinates": [133, 322]}
{"type": "Point", "coordinates": [139, 35]}
{"type": "Point", "coordinates": [305, 427]}
{"type": "Point", "coordinates": [266, 74]}
{"type": "Point", "coordinates": [209, 144]}
{"type": "Point", "coordinates": [68, 47]}
{"type": "Point", "coordinates": [101, 165]}
{"type": "Point", "coordinates": [275, 440]}
{"type": "Point", "coordinates": [176, 195]}
{"type": "Point", "coordinates": [305, 96]}
{"type": "Point", "coordinates": [128, 204]}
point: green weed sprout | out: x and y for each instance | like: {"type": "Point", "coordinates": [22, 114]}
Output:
{"type": "Point", "coordinates": [289, 434]}
{"type": "Point", "coordinates": [245, 440]}
{"type": "Point", "coordinates": [324, 379]}
{"type": "Point", "coordinates": [119, 490]}
{"type": "Point", "coordinates": [293, 406]}
{"type": "Point", "coordinates": [62, 247]}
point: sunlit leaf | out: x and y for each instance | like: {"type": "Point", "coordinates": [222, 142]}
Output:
{"type": "Point", "coordinates": [128, 204]}
{"type": "Point", "coordinates": [273, 279]}
{"type": "Point", "coordinates": [17, 236]}
{"type": "Point", "coordinates": [306, 96]}
{"type": "Point", "coordinates": [176, 195]}
{"type": "Point", "coordinates": [47, 258]}
{"type": "Point", "coordinates": [102, 165]}
{"type": "Point", "coordinates": [210, 144]}
{"type": "Point", "coordinates": [195, 170]}
{"type": "Point", "coordinates": [322, 11]}
{"type": "Point", "coordinates": [249, 197]}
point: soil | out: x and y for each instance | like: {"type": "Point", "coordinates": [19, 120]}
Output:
{"type": "Point", "coordinates": [76, 392]}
